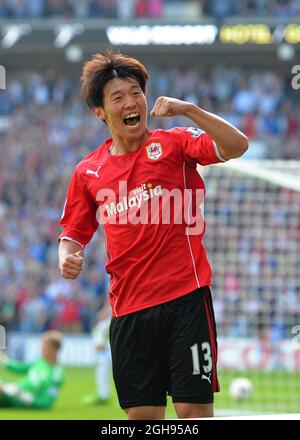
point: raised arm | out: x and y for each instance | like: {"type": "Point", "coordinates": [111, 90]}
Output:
{"type": "Point", "coordinates": [231, 142]}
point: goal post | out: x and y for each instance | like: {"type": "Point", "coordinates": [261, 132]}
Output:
{"type": "Point", "coordinates": [252, 213]}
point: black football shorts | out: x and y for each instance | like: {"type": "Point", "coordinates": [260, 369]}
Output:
{"type": "Point", "coordinates": [167, 349]}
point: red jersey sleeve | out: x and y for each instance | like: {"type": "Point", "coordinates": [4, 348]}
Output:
{"type": "Point", "coordinates": [79, 215]}
{"type": "Point", "coordinates": [197, 146]}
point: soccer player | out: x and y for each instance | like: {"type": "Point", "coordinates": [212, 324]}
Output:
{"type": "Point", "coordinates": [162, 332]}
{"type": "Point", "coordinates": [100, 337]}
{"type": "Point", "coordinates": [43, 378]}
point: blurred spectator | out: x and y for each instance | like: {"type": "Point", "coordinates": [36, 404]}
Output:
{"type": "Point", "coordinates": [126, 9]}
{"type": "Point", "coordinates": [35, 8]}
{"type": "Point", "coordinates": [57, 8]}
{"type": "Point", "coordinates": [4, 9]}
{"type": "Point", "coordinates": [220, 8]}
{"type": "Point", "coordinates": [155, 8]}
{"type": "Point", "coordinates": [141, 8]}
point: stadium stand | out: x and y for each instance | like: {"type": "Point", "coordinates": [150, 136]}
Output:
{"type": "Point", "coordinates": [33, 9]}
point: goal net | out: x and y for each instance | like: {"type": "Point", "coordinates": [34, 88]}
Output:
{"type": "Point", "coordinates": [252, 212]}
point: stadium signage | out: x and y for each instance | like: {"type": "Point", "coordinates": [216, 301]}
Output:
{"type": "Point", "coordinates": [249, 33]}
{"type": "Point", "coordinates": [237, 34]}
{"type": "Point", "coordinates": [244, 354]}
{"type": "Point", "coordinates": [292, 33]}
{"type": "Point", "coordinates": [162, 35]}
{"type": "Point", "coordinates": [259, 34]}
{"type": "Point", "coordinates": [57, 35]}
{"type": "Point", "coordinates": [12, 34]}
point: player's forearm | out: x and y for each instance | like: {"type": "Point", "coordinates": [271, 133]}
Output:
{"type": "Point", "coordinates": [67, 247]}
{"type": "Point", "coordinates": [231, 142]}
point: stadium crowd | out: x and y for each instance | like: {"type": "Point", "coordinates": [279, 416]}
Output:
{"type": "Point", "coordinates": [126, 9]}
{"type": "Point", "coordinates": [45, 130]}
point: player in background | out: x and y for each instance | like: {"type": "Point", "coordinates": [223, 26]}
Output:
{"type": "Point", "coordinates": [162, 332]}
{"type": "Point", "coordinates": [42, 379]}
{"type": "Point", "coordinates": [100, 337]}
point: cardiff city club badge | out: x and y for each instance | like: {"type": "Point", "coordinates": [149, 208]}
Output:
{"type": "Point", "coordinates": [154, 151]}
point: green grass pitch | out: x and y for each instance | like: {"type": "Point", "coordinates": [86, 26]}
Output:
{"type": "Point", "coordinates": [274, 392]}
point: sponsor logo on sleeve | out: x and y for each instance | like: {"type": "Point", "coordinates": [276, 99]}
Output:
{"type": "Point", "coordinates": [195, 132]}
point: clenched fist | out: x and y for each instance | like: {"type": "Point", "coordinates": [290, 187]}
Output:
{"type": "Point", "coordinates": [165, 106]}
{"type": "Point", "coordinates": [71, 265]}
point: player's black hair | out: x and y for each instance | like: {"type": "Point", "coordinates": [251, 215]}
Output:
{"type": "Point", "coordinates": [104, 67]}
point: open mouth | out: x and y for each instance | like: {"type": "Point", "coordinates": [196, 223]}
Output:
{"type": "Point", "coordinates": [132, 119]}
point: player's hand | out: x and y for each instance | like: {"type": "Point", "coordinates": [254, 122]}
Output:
{"type": "Point", "coordinates": [165, 106]}
{"type": "Point", "coordinates": [71, 265]}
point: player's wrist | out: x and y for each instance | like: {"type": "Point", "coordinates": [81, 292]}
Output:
{"type": "Point", "coordinates": [189, 109]}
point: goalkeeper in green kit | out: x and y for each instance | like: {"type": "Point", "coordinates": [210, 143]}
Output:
{"type": "Point", "coordinates": [42, 379]}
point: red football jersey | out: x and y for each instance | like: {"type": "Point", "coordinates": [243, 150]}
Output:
{"type": "Point", "coordinates": [148, 204]}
